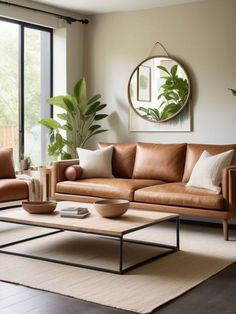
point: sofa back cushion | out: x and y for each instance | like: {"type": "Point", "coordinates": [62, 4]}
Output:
{"type": "Point", "coordinates": [7, 170]}
{"type": "Point", "coordinates": [122, 159]}
{"type": "Point", "coordinates": [159, 161]}
{"type": "Point", "coordinates": [194, 152]}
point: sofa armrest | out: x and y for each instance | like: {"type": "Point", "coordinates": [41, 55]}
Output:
{"type": "Point", "coordinates": [229, 188]}
{"type": "Point", "coordinates": [58, 171]}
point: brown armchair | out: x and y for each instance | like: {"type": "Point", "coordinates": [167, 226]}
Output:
{"type": "Point", "coordinates": [11, 188]}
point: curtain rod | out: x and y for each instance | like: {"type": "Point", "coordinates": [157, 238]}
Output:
{"type": "Point", "coordinates": [68, 19]}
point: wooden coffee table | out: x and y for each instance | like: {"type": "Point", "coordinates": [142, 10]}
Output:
{"type": "Point", "coordinates": [94, 224]}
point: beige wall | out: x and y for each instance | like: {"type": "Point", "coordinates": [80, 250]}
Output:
{"type": "Point", "coordinates": [68, 41]}
{"type": "Point", "coordinates": [201, 35]}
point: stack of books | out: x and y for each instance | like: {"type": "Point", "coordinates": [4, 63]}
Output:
{"type": "Point", "coordinates": [74, 212]}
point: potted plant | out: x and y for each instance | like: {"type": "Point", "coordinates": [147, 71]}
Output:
{"type": "Point", "coordinates": [79, 120]}
{"type": "Point", "coordinates": [173, 93]}
{"type": "Point", "coordinates": [25, 162]}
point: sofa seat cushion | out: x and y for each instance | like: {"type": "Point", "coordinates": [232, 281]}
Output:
{"type": "Point", "coordinates": [178, 194]}
{"type": "Point", "coordinates": [13, 190]}
{"type": "Point", "coordinates": [105, 187]}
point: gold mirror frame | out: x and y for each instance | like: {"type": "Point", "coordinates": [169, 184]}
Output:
{"type": "Point", "coordinates": [159, 89]}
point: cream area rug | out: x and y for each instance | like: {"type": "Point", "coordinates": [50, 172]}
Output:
{"type": "Point", "coordinates": [203, 253]}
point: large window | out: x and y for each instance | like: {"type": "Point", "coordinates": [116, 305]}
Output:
{"type": "Point", "coordinates": [25, 86]}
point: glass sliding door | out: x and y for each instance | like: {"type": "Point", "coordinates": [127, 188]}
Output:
{"type": "Point", "coordinates": [25, 86]}
{"type": "Point", "coordinates": [9, 86]}
{"type": "Point", "coordinates": [36, 92]}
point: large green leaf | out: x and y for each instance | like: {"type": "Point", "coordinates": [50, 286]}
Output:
{"type": "Point", "coordinates": [74, 101]}
{"type": "Point", "coordinates": [52, 149]}
{"type": "Point", "coordinates": [67, 127]}
{"type": "Point", "coordinates": [94, 127]}
{"type": "Point", "coordinates": [100, 107]}
{"type": "Point", "coordinates": [160, 95]}
{"type": "Point", "coordinates": [233, 91]}
{"type": "Point", "coordinates": [174, 95]}
{"type": "Point", "coordinates": [62, 116]}
{"type": "Point", "coordinates": [50, 123]}
{"type": "Point", "coordinates": [80, 90]}
{"type": "Point", "coordinates": [169, 83]}
{"type": "Point", "coordinates": [155, 113]}
{"type": "Point", "coordinates": [162, 104]}
{"type": "Point", "coordinates": [69, 105]}
{"type": "Point", "coordinates": [151, 113]}
{"type": "Point", "coordinates": [57, 101]}
{"type": "Point", "coordinates": [170, 110]}
{"type": "Point", "coordinates": [68, 143]}
{"type": "Point", "coordinates": [65, 156]}
{"type": "Point", "coordinates": [100, 116]}
{"type": "Point", "coordinates": [93, 99]}
{"type": "Point", "coordinates": [59, 141]}
{"type": "Point", "coordinates": [92, 108]}
{"type": "Point", "coordinates": [167, 95]}
{"type": "Point", "coordinates": [163, 69]}
{"type": "Point", "coordinates": [173, 70]}
{"type": "Point", "coordinates": [146, 110]}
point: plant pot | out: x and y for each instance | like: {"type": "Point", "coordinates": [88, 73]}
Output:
{"type": "Point", "coordinates": [24, 164]}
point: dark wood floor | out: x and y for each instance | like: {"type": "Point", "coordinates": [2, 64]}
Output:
{"type": "Point", "coordinates": [216, 295]}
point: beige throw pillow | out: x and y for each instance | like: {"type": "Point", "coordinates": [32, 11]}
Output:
{"type": "Point", "coordinates": [96, 163]}
{"type": "Point", "coordinates": [207, 172]}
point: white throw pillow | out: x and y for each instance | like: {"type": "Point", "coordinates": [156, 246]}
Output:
{"type": "Point", "coordinates": [96, 163]}
{"type": "Point", "coordinates": [207, 172]}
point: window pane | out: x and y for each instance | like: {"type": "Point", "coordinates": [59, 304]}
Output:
{"type": "Point", "coordinates": [9, 86]}
{"type": "Point", "coordinates": [36, 93]}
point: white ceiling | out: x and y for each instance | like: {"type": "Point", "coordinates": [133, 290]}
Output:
{"type": "Point", "coordinates": [105, 6]}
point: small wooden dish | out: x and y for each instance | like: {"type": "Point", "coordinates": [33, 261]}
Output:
{"type": "Point", "coordinates": [39, 207]}
{"type": "Point", "coordinates": [111, 208]}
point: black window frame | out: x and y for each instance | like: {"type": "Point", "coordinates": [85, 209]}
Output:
{"type": "Point", "coordinates": [22, 27]}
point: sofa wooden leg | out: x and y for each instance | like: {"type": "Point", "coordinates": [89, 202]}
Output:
{"type": "Point", "coordinates": [226, 229]}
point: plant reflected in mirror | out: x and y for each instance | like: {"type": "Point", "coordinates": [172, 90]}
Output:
{"type": "Point", "coordinates": [166, 90]}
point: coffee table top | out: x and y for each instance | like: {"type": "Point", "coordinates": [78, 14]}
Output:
{"type": "Point", "coordinates": [132, 220]}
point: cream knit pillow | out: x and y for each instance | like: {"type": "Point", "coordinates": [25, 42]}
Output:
{"type": "Point", "coordinates": [207, 172]}
{"type": "Point", "coordinates": [96, 163]}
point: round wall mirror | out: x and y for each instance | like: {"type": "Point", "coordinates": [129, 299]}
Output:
{"type": "Point", "coordinates": [158, 89]}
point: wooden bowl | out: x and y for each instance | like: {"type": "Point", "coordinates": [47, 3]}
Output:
{"type": "Point", "coordinates": [111, 208]}
{"type": "Point", "coordinates": [39, 207]}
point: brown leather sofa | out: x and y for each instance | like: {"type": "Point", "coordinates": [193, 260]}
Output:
{"type": "Point", "coordinates": [11, 188]}
{"type": "Point", "coordinates": [153, 177]}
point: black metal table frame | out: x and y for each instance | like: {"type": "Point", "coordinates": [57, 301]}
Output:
{"type": "Point", "coordinates": [120, 238]}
